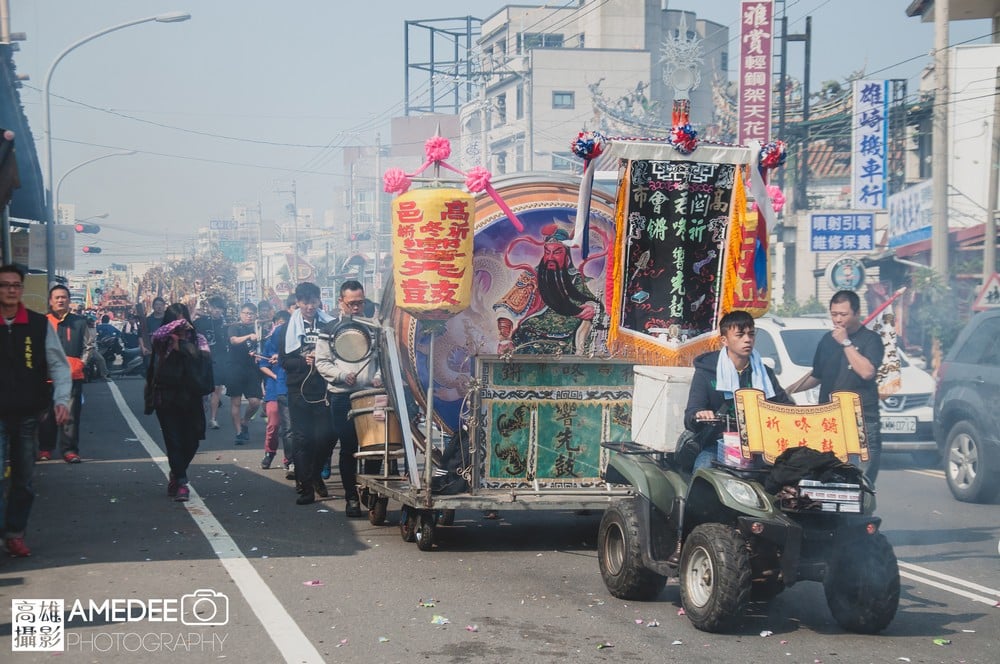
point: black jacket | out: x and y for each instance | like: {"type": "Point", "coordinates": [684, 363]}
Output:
{"type": "Point", "coordinates": [704, 395]}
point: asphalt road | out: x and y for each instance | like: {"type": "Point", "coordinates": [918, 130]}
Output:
{"type": "Point", "coordinates": [306, 584]}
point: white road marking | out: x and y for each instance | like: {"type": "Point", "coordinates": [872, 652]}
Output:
{"type": "Point", "coordinates": [291, 642]}
{"type": "Point", "coordinates": [951, 585]}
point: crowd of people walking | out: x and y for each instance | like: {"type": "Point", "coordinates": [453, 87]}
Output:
{"type": "Point", "coordinates": [270, 359]}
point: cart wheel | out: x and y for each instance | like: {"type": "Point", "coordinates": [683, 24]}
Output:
{"type": "Point", "coordinates": [425, 531]}
{"type": "Point", "coordinates": [446, 518]}
{"type": "Point", "coordinates": [408, 524]}
{"type": "Point", "coordinates": [377, 511]}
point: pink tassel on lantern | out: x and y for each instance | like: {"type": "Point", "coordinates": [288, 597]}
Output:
{"type": "Point", "coordinates": [395, 181]}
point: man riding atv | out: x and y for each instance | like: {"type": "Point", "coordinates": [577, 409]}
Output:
{"type": "Point", "coordinates": [787, 508]}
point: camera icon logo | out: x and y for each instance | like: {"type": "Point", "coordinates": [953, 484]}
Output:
{"type": "Point", "coordinates": [204, 607]}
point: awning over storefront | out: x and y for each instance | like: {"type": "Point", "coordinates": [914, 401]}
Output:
{"type": "Point", "coordinates": [28, 200]}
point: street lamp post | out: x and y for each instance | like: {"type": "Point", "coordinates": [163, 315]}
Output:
{"type": "Point", "coordinates": [50, 230]}
{"type": "Point", "coordinates": [56, 198]}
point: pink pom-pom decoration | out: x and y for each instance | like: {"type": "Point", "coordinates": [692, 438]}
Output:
{"type": "Point", "coordinates": [477, 179]}
{"type": "Point", "coordinates": [437, 148]}
{"type": "Point", "coordinates": [777, 198]}
{"type": "Point", "coordinates": [395, 181]}
{"type": "Point", "coordinates": [772, 155]}
{"type": "Point", "coordinates": [684, 138]}
{"type": "Point", "coordinates": [588, 145]}
{"type": "Point", "coordinates": [8, 135]}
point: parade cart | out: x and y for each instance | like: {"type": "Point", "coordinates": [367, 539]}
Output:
{"type": "Point", "coordinates": [531, 446]}
{"type": "Point", "coordinates": [512, 331]}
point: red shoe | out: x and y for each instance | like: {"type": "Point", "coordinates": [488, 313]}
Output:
{"type": "Point", "coordinates": [71, 457]}
{"type": "Point", "coordinates": [17, 548]}
{"type": "Point", "coordinates": [45, 455]}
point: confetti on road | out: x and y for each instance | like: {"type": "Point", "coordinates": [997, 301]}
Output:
{"type": "Point", "coordinates": [766, 633]}
{"type": "Point", "coordinates": [680, 611]}
{"type": "Point", "coordinates": [343, 642]}
{"type": "Point", "coordinates": [942, 642]}
{"type": "Point", "coordinates": [383, 639]}
{"type": "Point", "coordinates": [602, 646]}
{"type": "Point", "coordinates": [472, 628]}
{"type": "Point", "coordinates": [315, 583]}
{"type": "Point", "coordinates": [440, 620]}
{"type": "Point", "coordinates": [652, 623]}
{"type": "Point", "coordinates": [677, 642]}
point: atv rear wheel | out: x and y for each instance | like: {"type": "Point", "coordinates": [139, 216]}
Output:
{"type": "Point", "coordinates": [715, 577]}
{"type": "Point", "coordinates": [862, 584]}
{"type": "Point", "coordinates": [619, 553]}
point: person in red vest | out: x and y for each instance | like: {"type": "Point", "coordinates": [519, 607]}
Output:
{"type": "Point", "coordinates": [30, 357]}
{"type": "Point", "coordinates": [77, 339]}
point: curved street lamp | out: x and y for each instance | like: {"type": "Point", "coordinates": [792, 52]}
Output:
{"type": "Point", "coordinates": [50, 228]}
{"type": "Point", "coordinates": [56, 198]}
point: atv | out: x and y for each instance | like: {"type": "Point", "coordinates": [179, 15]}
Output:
{"type": "Point", "coordinates": [731, 541]}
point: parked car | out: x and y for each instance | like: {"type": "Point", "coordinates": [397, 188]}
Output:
{"type": "Point", "coordinates": [966, 411]}
{"type": "Point", "coordinates": [907, 416]}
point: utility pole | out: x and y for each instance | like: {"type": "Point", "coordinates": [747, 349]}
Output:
{"type": "Point", "coordinates": [295, 232]}
{"type": "Point", "coordinates": [939, 168]}
{"type": "Point", "coordinates": [990, 230]}
{"type": "Point", "coordinates": [800, 199]}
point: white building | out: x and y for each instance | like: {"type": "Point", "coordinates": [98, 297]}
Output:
{"type": "Point", "coordinates": [548, 73]}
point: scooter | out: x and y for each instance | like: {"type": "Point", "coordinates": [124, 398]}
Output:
{"type": "Point", "coordinates": [729, 540]}
{"type": "Point", "coordinates": [132, 364]}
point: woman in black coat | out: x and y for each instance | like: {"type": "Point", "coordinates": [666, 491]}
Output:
{"type": "Point", "coordinates": [179, 375]}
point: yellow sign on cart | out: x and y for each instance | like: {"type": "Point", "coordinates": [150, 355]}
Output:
{"type": "Point", "coordinates": [769, 428]}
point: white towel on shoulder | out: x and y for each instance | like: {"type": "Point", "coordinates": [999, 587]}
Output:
{"type": "Point", "coordinates": [297, 328]}
{"type": "Point", "coordinates": [727, 379]}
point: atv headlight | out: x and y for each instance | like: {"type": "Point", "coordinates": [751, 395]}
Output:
{"type": "Point", "coordinates": [743, 493]}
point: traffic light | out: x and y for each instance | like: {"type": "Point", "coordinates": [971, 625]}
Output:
{"type": "Point", "coordinates": [91, 250]}
{"type": "Point", "coordinates": [365, 235]}
{"type": "Point", "coordinates": [87, 228]}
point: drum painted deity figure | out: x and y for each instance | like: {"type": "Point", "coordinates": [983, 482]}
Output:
{"type": "Point", "coordinates": [550, 308]}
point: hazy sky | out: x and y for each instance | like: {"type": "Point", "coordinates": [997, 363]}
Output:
{"type": "Point", "coordinates": [237, 102]}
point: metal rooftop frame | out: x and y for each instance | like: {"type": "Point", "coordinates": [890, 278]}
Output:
{"type": "Point", "coordinates": [439, 64]}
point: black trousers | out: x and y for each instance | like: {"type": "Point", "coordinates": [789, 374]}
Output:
{"type": "Point", "coordinates": [182, 433]}
{"type": "Point", "coordinates": [312, 438]}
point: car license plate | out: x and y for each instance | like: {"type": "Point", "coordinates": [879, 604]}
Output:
{"type": "Point", "coordinates": [898, 424]}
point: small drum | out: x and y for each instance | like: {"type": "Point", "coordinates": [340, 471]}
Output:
{"type": "Point", "coordinates": [351, 341]}
{"type": "Point", "coordinates": [375, 420]}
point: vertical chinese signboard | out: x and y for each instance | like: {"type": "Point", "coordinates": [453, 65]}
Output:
{"type": "Point", "coordinates": [756, 40]}
{"type": "Point", "coordinates": [432, 251]}
{"type": "Point", "coordinates": [869, 124]}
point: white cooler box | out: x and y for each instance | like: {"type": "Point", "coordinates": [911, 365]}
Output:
{"type": "Point", "coordinates": [658, 400]}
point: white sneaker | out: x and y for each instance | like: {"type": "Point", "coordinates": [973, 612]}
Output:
{"type": "Point", "coordinates": [213, 424]}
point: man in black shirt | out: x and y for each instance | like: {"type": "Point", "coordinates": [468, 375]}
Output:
{"type": "Point", "coordinates": [244, 378]}
{"type": "Point", "coordinates": [847, 359]}
{"type": "Point", "coordinates": [213, 327]}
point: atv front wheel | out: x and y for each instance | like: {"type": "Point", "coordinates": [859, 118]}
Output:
{"type": "Point", "coordinates": [619, 552]}
{"type": "Point", "coordinates": [715, 577]}
{"type": "Point", "coordinates": [862, 585]}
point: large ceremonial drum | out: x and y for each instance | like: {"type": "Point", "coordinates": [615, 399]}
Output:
{"type": "Point", "coordinates": [375, 421]}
